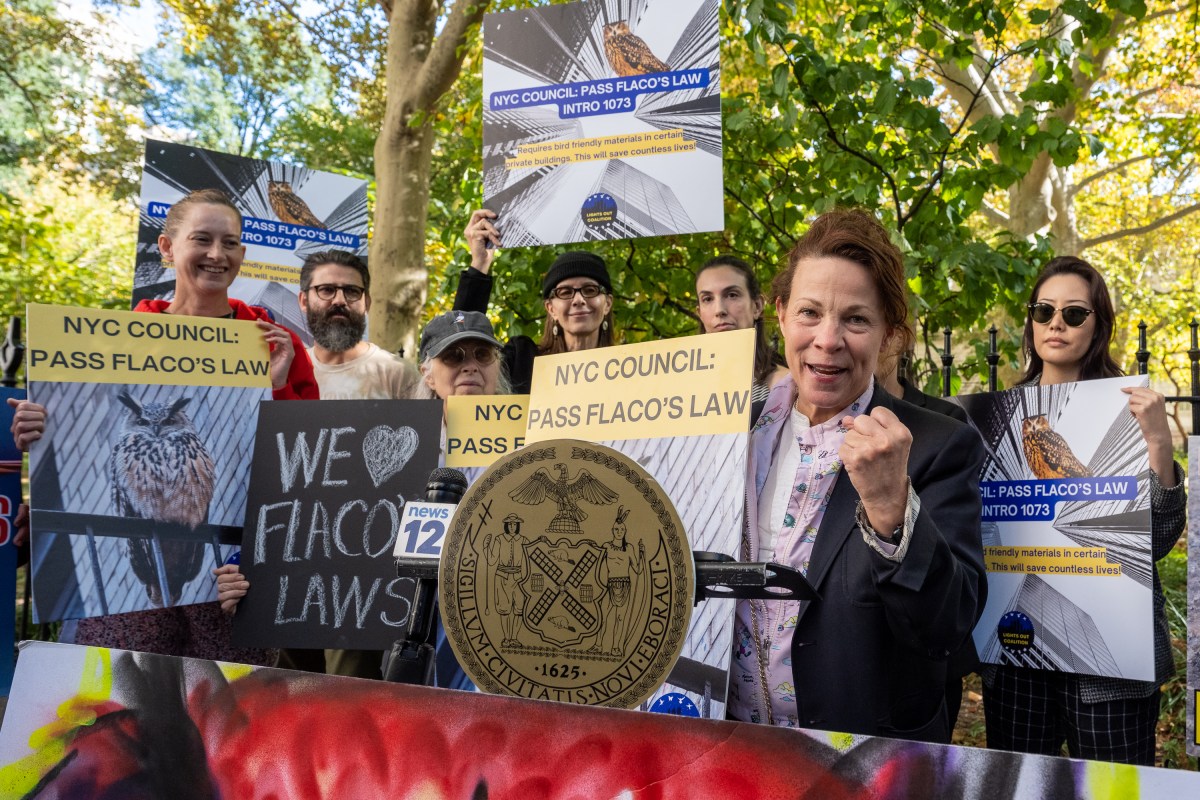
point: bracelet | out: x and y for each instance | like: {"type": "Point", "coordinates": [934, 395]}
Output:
{"type": "Point", "coordinates": [860, 517]}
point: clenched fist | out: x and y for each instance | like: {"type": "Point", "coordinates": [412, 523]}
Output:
{"type": "Point", "coordinates": [875, 457]}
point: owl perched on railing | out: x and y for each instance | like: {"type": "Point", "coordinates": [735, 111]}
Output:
{"type": "Point", "coordinates": [1047, 452]}
{"type": "Point", "coordinates": [289, 206]}
{"type": "Point", "coordinates": [627, 54]}
{"type": "Point", "coordinates": [161, 470]}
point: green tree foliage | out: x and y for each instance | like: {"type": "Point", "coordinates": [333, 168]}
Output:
{"type": "Point", "coordinates": [231, 89]}
{"type": "Point", "coordinates": [67, 242]}
{"type": "Point", "coordinates": [65, 99]}
{"type": "Point", "coordinates": [984, 132]}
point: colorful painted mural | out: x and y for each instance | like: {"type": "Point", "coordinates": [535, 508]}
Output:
{"type": "Point", "coordinates": [95, 723]}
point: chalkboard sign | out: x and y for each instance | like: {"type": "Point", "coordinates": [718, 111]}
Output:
{"type": "Point", "coordinates": [327, 490]}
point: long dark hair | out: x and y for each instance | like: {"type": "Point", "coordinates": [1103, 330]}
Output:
{"type": "Point", "coordinates": [766, 360]}
{"type": "Point", "coordinates": [1097, 362]}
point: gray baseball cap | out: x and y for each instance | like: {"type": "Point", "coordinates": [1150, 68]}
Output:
{"type": "Point", "coordinates": [451, 327]}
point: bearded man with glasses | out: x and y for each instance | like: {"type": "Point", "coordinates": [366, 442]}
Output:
{"type": "Point", "coordinates": [335, 298]}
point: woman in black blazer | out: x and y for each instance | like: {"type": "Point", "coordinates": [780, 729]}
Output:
{"type": "Point", "coordinates": [876, 500]}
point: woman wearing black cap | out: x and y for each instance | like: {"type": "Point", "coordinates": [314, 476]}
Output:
{"type": "Point", "coordinates": [576, 291]}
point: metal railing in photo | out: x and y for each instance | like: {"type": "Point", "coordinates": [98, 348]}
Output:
{"type": "Point", "coordinates": [93, 527]}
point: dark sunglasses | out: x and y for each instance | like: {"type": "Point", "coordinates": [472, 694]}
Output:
{"type": "Point", "coordinates": [328, 291]}
{"type": "Point", "coordinates": [483, 354]}
{"type": "Point", "coordinates": [1074, 316]}
{"type": "Point", "coordinates": [588, 290]}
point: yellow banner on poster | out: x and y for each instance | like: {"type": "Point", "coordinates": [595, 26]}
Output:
{"type": "Point", "coordinates": [95, 345]}
{"type": "Point", "coordinates": [481, 428]}
{"type": "Point", "coordinates": [675, 387]}
{"type": "Point", "coordinates": [1051, 561]}
{"type": "Point", "coordinates": [264, 271]}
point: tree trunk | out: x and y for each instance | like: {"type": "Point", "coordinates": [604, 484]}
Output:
{"type": "Point", "coordinates": [420, 70]}
{"type": "Point", "coordinates": [399, 277]}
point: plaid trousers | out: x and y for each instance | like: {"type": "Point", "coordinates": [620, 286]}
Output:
{"type": "Point", "coordinates": [1033, 711]}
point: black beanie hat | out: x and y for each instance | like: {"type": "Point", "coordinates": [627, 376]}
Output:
{"type": "Point", "coordinates": [576, 264]}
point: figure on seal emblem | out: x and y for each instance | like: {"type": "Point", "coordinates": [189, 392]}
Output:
{"type": "Point", "coordinates": [621, 570]}
{"type": "Point", "coordinates": [508, 566]}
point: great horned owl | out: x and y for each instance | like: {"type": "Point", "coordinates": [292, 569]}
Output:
{"type": "Point", "coordinates": [627, 54]}
{"type": "Point", "coordinates": [1047, 453]}
{"type": "Point", "coordinates": [288, 206]}
{"type": "Point", "coordinates": [160, 470]}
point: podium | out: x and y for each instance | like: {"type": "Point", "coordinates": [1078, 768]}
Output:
{"type": "Point", "coordinates": [85, 721]}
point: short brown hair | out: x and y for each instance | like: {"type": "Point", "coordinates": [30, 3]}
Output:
{"type": "Point", "coordinates": [340, 258]}
{"type": "Point", "coordinates": [856, 236]}
{"type": "Point", "coordinates": [179, 208]}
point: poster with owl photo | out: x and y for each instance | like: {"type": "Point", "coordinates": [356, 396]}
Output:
{"type": "Point", "coordinates": [138, 485]}
{"type": "Point", "coordinates": [602, 120]}
{"type": "Point", "coordinates": [1066, 530]}
{"type": "Point", "coordinates": [288, 212]}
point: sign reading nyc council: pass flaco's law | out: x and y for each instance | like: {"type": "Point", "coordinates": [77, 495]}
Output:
{"type": "Point", "coordinates": [92, 345]}
{"type": "Point", "coordinates": [674, 387]}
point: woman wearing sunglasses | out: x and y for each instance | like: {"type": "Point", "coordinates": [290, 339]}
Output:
{"type": "Point", "coordinates": [1067, 336]}
{"type": "Point", "coordinates": [576, 292]}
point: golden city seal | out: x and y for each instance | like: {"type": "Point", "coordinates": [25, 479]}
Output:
{"type": "Point", "coordinates": [566, 575]}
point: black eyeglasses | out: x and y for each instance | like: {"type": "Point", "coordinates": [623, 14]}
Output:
{"type": "Point", "coordinates": [1074, 316]}
{"type": "Point", "coordinates": [328, 291]}
{"type": "Point", "coordinates": [588, 290]}
{"type": "Point", "coordinates": [483, 354]}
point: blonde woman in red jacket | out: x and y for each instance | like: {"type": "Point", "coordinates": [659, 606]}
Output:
{"type": "Point", "coordinates": [202, 240]}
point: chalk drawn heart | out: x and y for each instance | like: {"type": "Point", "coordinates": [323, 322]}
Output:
{"type": "Point", "coordinates": [387, 450]}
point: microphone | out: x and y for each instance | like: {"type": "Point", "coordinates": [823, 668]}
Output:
{"type": "Point", "coordinates": [412, 659]}
{"type": "Point", "coordinates": [445, 486]}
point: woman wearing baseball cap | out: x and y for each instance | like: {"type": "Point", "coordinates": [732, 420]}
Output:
{"type": "Point", "coordinates": [459, 354]}
{"type": "Point", "coordinates": [576, 291]}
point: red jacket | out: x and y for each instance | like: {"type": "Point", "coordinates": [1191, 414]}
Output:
{"type": "Point", "coordinates": [301, 385]}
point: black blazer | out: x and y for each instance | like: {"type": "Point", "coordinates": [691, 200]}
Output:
{"type": "Point", "coordinates": [873, 654]}
{"type": "Point", "coordinates": [939, 404]}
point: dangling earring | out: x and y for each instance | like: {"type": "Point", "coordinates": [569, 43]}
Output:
{"type": "Point", "coordinates": [555, 334]}
{"type": "Point", "coordinates": [604, 325]}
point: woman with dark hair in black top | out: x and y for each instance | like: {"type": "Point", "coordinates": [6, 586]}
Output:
{"type": "Point", "coordinates": [576, 292]}
{"type": "Point", "coordinates": [1068, 331]}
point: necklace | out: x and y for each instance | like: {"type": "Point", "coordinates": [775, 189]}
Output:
{"type": "Point", "coordinates": [762, 647]}
{"type": "Point", "coordinates": [762, 642]}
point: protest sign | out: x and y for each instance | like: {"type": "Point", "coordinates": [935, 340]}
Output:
{"type": "Point", "coordinates": [672, 387]}
{"type": "Point", "coordinates": [329, 484]}
{"type": "Point", "coordinates": [681, 409]}
{"type": "Point", "coordinates": [602, 125]}
{"type": "Point", "coordinates": [287, 211]}
{"type": "Point", "coordinates": [10, 499]}
{"type": "Point", "coordinates": [1066, 530]}
{"type": "Point", "coordinates": [481, 428]}
{"type": "Point", "coordinates": [138, 486]}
